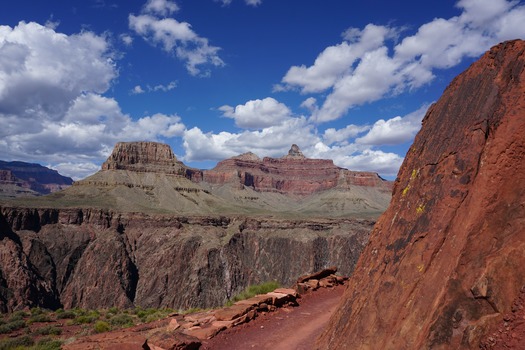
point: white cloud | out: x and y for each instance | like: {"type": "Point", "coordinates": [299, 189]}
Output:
{"type": "Point", "coordinates": [337, 61]}
{"type": "Point", "coordinates": [160, 7]}
{"type": "Point", "coordinates": [331, 135]}
{"type": "Point", "coordinates": [126, 39]}
{"type": "Point", "coordinates": [51, 107]}
{"type": "Point", "coordinates": [257, 114]}
{"type": "Point", "coordinates": [80, 170]}
{"type": "Point", "coordinates": [177, 38]}
{"type": "Point", "coordinates": [42, 71]}
{"type": "Point", "coordinates": [137, 90]}
{"type": "Point", "coordinates": [253, 2]}
{"type": "Point", "coordinates": [396, 130]}
{"type": "Point", "coordinates": [272, 141]}
{"type": "Point", "coordinates": [362, 69]}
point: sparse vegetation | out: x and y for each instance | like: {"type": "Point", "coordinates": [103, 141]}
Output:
{"type": "Point", "coordinates": [101, 327]}
{"type": "Point", "coordinates": [252, 291]}
{"type": "Point", "coordinates": [24, 334]}
{"type": "Point", "coordinates": [12, 326]}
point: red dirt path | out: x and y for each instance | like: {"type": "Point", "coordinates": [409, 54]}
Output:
{"type": "Point", "coordinates": [288, 328]}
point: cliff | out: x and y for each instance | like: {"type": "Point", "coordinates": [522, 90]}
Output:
{"type": "Point", "coordinates": [100, 259]}
{"type": "Point", "coordinates": [293, 174]}
{"type": "Point", "coordinates": [444, 262]}
{"type": "Point", "coordinates": [147, 177]}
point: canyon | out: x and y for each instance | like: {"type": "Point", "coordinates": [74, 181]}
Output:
{"type": "Point", "coordinates": [149, 231]}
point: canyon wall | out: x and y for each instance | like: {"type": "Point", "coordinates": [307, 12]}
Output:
{"type": "Point", "coordinates": [95, 259]}
{"type": "Point", "coordinates": [445, 262]}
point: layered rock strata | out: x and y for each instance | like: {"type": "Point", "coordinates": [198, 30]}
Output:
{"type": "Point", "coordinates": [23, 179]}
{"type": "Point", "coordinates": [98, 259]}
{"type": "Point", "coordinates": [444, 262]}
{"type": "Point", "coordinates": [293, 174]}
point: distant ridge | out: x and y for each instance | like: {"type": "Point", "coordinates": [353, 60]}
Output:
{"type": "Point", "coordinates": [147, 177]}
{"type": "Point", "coordinates": [29, 179]}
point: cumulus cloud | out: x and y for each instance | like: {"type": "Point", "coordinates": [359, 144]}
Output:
{"type": "Point", "coordinates": [362, 69]}
{"type": "Point", "coordinates": [344, 135]}
{"type": "Point", "coordinates": [257, 114]}
{"type": "Point", "coordinates": [51, 102]}
{"type": "Point", "coordinates": [396, 130]}
{"type": "Point", "coordinates": [174, 37]}
{"type": "Point", "coordinates": [160, 7]}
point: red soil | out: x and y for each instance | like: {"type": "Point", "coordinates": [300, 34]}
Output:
{"type": "Point", "coordinates": [287, 328]}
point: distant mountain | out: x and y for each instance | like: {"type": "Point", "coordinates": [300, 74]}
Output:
{"type": "Point", "coordinates": [147, 177]}
{"type": "Point", "coordinates": [19, 179]}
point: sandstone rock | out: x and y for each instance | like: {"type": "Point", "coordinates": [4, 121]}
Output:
{"type": "Point", "coordinates": [444, 262]}
{"type": "Point", "coordinates": [292, 174]}
{"type": "Point", "coordinates": [173, 325]}
{"type": "Point", "coordinates": [288, 291]}
{"type": "Point", "coordinates": [318, 275]}
{"type": "Point", "coordinates": [313, 284]}
{"type": "Point", "coordinates": [170, 341]}
{"type": "Point", "coordinates": [232, 312]}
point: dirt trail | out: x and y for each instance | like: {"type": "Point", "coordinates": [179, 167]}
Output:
{"type": "Point", "coordinates": [289, 328]}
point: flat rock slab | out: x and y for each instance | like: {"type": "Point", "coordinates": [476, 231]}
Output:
{"type": "Point", "coordinates": [256, 300]}
{"type": "Point", "coordinates": [232, 312]}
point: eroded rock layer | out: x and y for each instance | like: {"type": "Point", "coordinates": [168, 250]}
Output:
{"type": "Point", "coordinates": [98, 259]}
{"type": "Point", "coordinates": [445, 262]}
{"type": "Point", "coordinates": [293, 174]}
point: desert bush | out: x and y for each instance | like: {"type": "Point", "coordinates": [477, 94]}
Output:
{"type": "Point", "coordinates": [48, 330]}
{"type": "Point", "coordinates": [47, 344]}
{"type": "Point", "coordinates": [66, 315]}
{"type": "Point", "coordinates": [18, 315]}
{"type": "Point", "coordinates": [12, 326]}
{"type": "Point", "coordinates": [84, 319]}
{"type": "Point", "coordinates": [39, 318]}
{"type": "Point", "coordinates": [122, 320]}
{"type": "Point", "coordinates": [252, 291]}
{"type": "Point", "coordinates": [101, 327]}
{"type": "Point", "coordinates": [16, 343]}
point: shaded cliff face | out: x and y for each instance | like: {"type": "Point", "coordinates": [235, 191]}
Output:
{"type": "Point", "coordinates": [97, 259]}
{"type": "Point", "coordinates": [28, 179]}
{"type": "Point", "coordinates": [444, 262]}
{"type": "Point", "coordinates": [293, 174]}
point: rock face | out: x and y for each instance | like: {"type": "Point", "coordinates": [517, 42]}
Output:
{"type": "Point", "coordinates": [445, 262]}
{"type": "Point", "coordinates": [293, 174]}
{"type": "Point", "coordinates": [147, 157]}
{"type": "Point", "coordinates": [23, 179]}
{"type": "Point", "coordinates": [98, 259]}
{"type": "Point", "coordinates": [147, 177]}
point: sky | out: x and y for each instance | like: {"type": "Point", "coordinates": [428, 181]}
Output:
{"type": "Point", "coordinates": [344, 80]}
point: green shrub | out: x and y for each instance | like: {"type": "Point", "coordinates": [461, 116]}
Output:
{"type": "Point", "coordinates": [36, 311]}
{"type": "Point", "coordinates": [252, 291]}
{"type": "Point", "coordinates": [39, 318]}
{"type": "Point", "coordinates": [84, 319]}
{"type": "Point", "coordinates": [49, 330]}
{"type": "Point", "coordinates": [122, 320]}
{"type": "Point", "coordinates": [15, 343]}
{"type": "Point", "coordinates": [101, 327]}
{"type": "Point", "coordinates": [66, 315]}
{"type": "Point", "coordinates": [47, 344]}
{"type": "Point", "coordinates": [12, 326]}
{"type": "Point", "coordinates": [113, 310]}
{"type": "Point", "coordinates": [18, 315]}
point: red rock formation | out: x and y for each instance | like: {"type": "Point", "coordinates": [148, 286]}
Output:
{"type": "Point", "coordinates": [445, 262]}
{"type": "Point", "coordinates": [7, 177]}
{"type": "Point", "coordinates": [292, 174]}
{"type": "Point", "coordinates": [148, 157]}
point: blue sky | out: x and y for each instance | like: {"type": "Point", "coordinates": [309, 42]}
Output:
{"type": "Point", "coordinates": [344, 80]}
